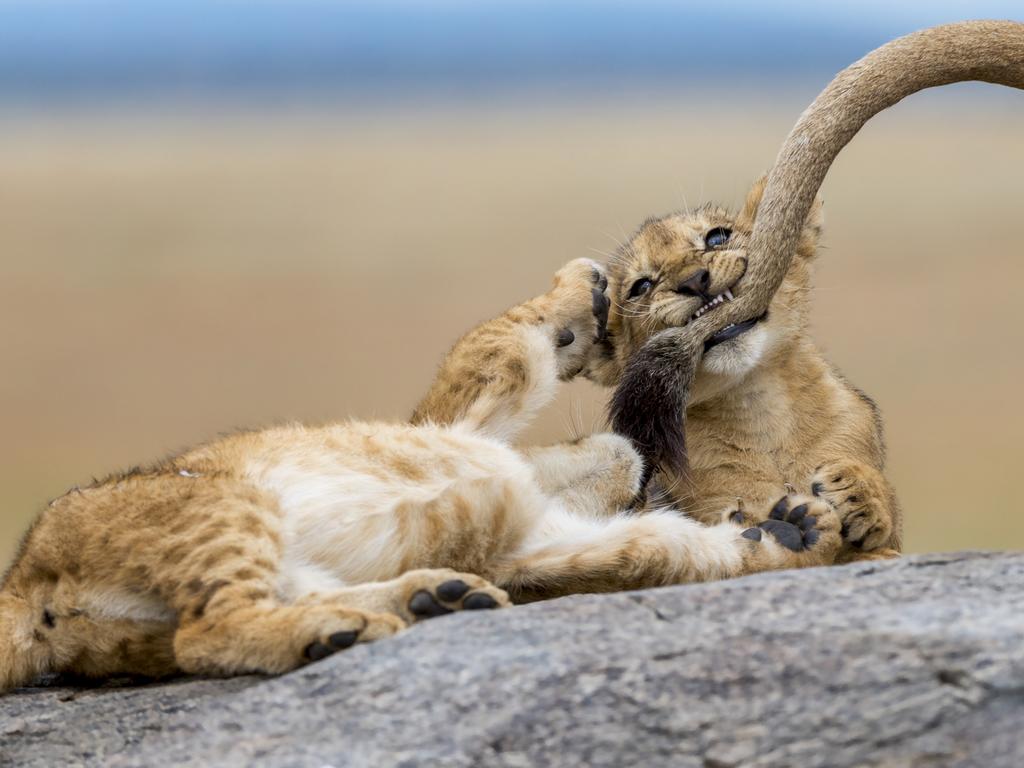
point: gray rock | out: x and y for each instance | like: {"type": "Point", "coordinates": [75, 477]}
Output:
{"type": "Point", "coordinates": [912, 663]}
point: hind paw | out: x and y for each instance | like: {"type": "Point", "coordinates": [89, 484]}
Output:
{"type": "Point", "coordinates": [805, 527]}
{"type": "Point", "coordinates": [436, 592]}
{"type": "Point", "coordinates": [334, 629]}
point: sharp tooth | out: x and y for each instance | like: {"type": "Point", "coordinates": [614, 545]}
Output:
{"type": "Point", "coordinates": [728, 294]}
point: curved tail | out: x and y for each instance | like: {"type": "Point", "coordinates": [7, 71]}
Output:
{"type": "Point", "coordinates": [23, 657]}
{"type": "Point", "coordinates": [987, 51]}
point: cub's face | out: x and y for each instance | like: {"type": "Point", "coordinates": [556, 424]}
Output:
{"type": "Point", "coordinates": [685, 265]}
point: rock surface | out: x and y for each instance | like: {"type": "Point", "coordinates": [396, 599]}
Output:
{"type": "Point", "coordinates": [918, 662]}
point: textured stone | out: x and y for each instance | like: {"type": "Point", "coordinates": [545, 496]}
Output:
{"type": "Point", "coordinates": [917, 662]}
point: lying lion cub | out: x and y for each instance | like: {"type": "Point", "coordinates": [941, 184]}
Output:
{"type": "Point", "coordinates": [265, 550]}
{"type": "Point", "coordinates": [766, 412]}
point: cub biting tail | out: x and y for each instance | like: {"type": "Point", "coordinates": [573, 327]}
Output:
{"type": "Point", "coordinates": [693, 335]}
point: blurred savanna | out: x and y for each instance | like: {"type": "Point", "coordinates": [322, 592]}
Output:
{"type": "Point", "coordinates": [296, 220]}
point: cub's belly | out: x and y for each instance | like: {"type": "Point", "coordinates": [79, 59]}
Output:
{"type": "Point", "coordinates": [412, 498]}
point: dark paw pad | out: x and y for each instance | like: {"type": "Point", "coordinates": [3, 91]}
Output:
{"type": "Point", "coordinates": [601, 305]}
{"type": "Point", "coordinates": [797, 514]}
{"type": "Point", "coordinates": [792, 528]}
{"type": "Point", "coordinates": [599, 279]}
{"type": "Point", "coordinates": [424, 606]}
{"type": "Point", "coordinates": [565, 337]}
{"type": "Point", "coordinates": [754, 534]}
{"type": "Point", "coordinates": [339, 641]}
{"type": "Point", "coordinates": [787, 534]}
{"type": "Point", "coordinates": [479, 602]}
{"type": "Point", "coordinates": [450, 591]}
{"type": "Point", "coordinates": [317, 651]}
{"type": "Point", "coordinates": [779, 510]}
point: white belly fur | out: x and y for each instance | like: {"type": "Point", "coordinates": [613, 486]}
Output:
{"type": "Point", "coordinates": [339, 526]}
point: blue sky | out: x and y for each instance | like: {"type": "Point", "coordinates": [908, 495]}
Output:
{"type": "Point", "coordinates": [77, 50]}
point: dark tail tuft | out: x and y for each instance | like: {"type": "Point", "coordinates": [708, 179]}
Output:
{"type": "Point", "coordinates": [649, 404]}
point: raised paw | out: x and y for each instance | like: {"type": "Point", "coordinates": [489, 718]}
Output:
{"type": "Point", "coordinates": [579, 313]}
{"type": "Point", "coordinates": [861, 497]}
{"type": "Point", "coordinates": [805, 527]}
{"type": "Point", "coordinates": [436, 592]}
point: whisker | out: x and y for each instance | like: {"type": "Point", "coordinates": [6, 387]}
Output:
{"type": "Point", "coordinates": [606, 254]}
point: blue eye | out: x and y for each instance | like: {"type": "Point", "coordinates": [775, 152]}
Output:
{"type": "Point", "coordinates": [640, 287]}
{"type": "Point", "coordinates": [717, 237]}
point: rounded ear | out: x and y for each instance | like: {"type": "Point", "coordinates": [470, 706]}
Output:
{"type": "Point", "coordinates": [746, 218]}
{"type": "Point", "coordinates": [813, 226]}
{"type": "Point", "coordinates": [807, 246]}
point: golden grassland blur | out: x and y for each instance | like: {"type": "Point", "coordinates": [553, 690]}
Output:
{"type": "Point", "coordinates": [163, 280]}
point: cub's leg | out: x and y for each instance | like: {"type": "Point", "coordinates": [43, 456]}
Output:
{"type": "Point", "coordinates": [498, 375]}
{"type": "Point", "coordinates": [224, 572]}
{"type": "Point", "coordinates": [866, 505]}
{"type": "Point", "coordinates": [600, 474]}
{"type": "Point", "coordinates": [571, 554]}
{"type": "Point", "coordinates": [241, 634]}
{"type": "Point", "coordinates": [422, 594]}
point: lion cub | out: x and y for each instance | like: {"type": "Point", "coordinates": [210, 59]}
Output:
{"type": "Point", "coordinates": [766, 413]}
{"type": "Point", "coordinates": [265, 550]}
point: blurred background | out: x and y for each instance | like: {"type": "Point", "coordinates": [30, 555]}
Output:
{"type": "Point", "coordinates": [226, 214]}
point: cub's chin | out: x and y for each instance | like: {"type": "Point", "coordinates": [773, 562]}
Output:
{"type": "Point", "coordinates": [727, 362]}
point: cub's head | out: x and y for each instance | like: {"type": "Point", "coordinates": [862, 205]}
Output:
{"type": "Point", "coordinates": [684, 265]}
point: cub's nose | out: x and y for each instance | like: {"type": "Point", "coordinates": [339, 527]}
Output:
{"type": "Point", "coordinates": [696, 284]}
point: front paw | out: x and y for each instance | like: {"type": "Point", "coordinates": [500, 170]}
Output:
{"type": "Point", "coordinates": [860, 496]}
{"type": "Point", "coordinates": [579, 313]}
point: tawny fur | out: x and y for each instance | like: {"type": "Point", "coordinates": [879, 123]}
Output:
{"type": "Point", "coordinates": [258, 552]}
{"type": "Point", "coordinates": [766, 410]}
{"type": "Point", "coordinates": [266, 549]}
{"type": "Point", "coordinates": [770, 409]}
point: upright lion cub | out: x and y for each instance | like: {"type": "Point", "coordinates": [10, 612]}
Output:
{"type": "Point", "coordinates": [766, 412]}
{"type": "Point", "coordinates": [266, 550]}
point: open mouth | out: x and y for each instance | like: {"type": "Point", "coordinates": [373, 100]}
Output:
{"type": "Point", "coordinates": [732, 331]}
{"type": "Point", "coordinates": [719, 299]}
